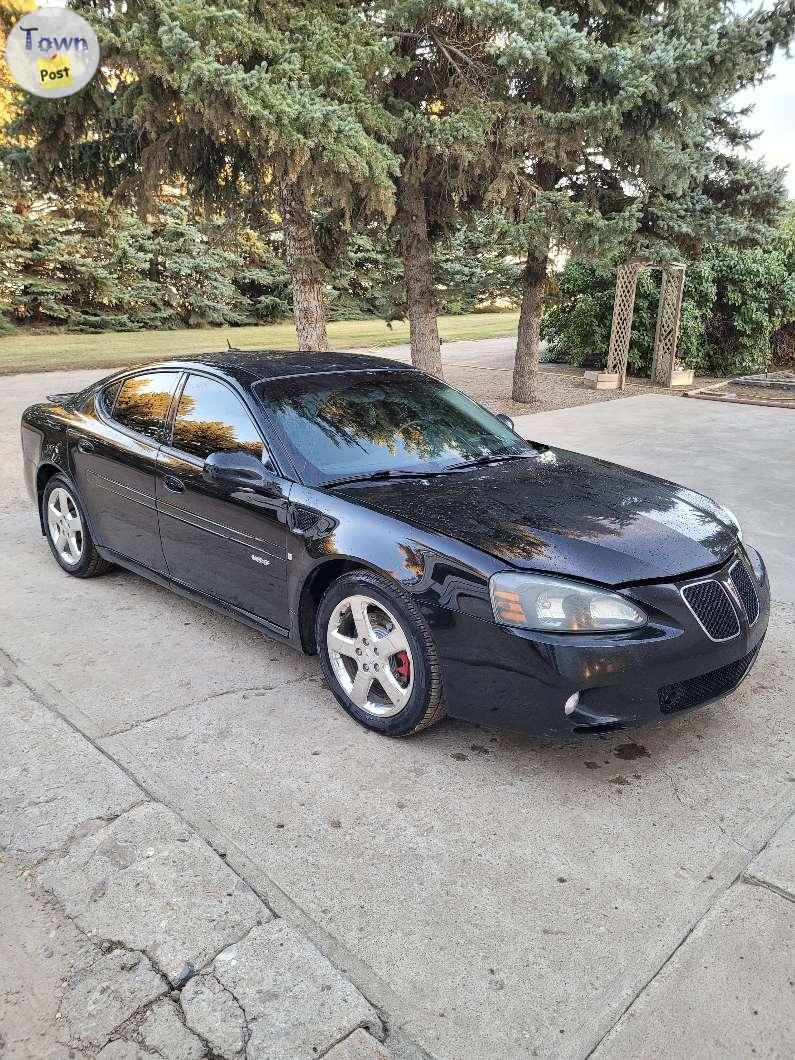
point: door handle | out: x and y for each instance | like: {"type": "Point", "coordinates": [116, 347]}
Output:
{"type": "Point", "coordinates": [85, 446]}
{"type": "Point", "coordinates": [176, 485]}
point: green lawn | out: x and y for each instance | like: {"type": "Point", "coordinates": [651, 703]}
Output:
{"type": "Point", "coordinates": [41, 352]}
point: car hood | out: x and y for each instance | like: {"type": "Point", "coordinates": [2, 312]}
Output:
{"type": "Point", "coordinates": [565, 513]}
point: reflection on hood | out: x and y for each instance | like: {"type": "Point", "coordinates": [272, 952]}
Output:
{"type": "Point", "coordinates": [564, 512]}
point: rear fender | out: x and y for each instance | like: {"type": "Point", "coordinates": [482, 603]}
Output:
{"type": "Point", "coordinates": [44, 450]}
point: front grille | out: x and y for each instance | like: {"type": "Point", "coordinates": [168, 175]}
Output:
{"type": "Point", "coordinates": [707, 686]}
{"type": "Point", "coordinates": [746, 590]}
{"type": "Point", "coordinates": [712, 606]}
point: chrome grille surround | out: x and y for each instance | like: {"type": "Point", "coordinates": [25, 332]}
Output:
{"type": "Point", "coordinates": [745, 587]}
{"type": "Point", "coordinates": [711, 605]}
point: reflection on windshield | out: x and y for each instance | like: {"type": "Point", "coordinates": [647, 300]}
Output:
{"type": "Point", "coordinates": [381, 422]}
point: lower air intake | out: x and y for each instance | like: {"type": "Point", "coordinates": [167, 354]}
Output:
{"type": "Point", "coordinates": [696, 690]}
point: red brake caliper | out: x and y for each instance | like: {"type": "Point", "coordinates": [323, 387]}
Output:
{"type": "Point", "coordinates": [401, 667]}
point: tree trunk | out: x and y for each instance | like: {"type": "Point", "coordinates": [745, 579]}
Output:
{"type": "Point", "coordinates": [299, 242]}
{"type": "Point", "coordinates": [418, 269]}
{"type": "Point", "coordinates": [534, 288]}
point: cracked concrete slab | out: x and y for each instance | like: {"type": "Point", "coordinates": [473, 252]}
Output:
{"type": "Point", "coordinates": [163, 1031]}
{"type": "Point", "coordinates": [101, 997]}
{"type": "Point", "coordinates": [728, 991]}
{"type": "Point", "coordinates": [775, 865]}
{"type": "Point", "coordinates": [294, 1003]}
{"type": "Point", "coordinates": [149, 882]}
{"type": "Point", "coordinates": [358, 1046]}
{"type": "Point", "coordinates": [123, 1050]}
{"type": "Point", "coordinates": [215, 1014]}
{"type": "Point", "coordinates": [40, 949]}
{"type": "Point", "coordinates": [490, 880]}
{"type": "Point", "coordinates": [53, 783]}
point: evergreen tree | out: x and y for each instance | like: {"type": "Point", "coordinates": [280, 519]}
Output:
{"type": "Point", "coordinates": [89, 265]}
{"type": "Point", "coordinates": [442, 94]}
{"type": "Point", "coordinates": [618, 133]}
{"type": "Point", "coordinates": [252, 103]}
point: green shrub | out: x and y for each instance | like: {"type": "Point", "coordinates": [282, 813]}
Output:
{"type": "Point", "coordinates": [734, 299]}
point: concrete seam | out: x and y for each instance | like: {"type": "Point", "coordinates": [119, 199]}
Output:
{"type": "Point", "coordinates": [199, 703]}
{"type": "Point", "coordinates": [414, 1050]}
{"type": "Point", "coordinates": [344, 1037]}
{"type": "Point", "coordinates": [738, 878]}
{"type": "Point", "coordinates": [356, 971]}
{"type": "Point", "coordinates": [43, 702]}
{"type": "Point", "coordinates": [759, 881]}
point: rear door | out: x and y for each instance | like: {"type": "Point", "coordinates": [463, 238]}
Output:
{"type": "Point", "coordinates": [114, 461]}
{"type": "Point", "coordinates": [227, 541]}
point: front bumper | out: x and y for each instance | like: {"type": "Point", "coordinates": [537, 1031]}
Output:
{"type": "Point", "coordinates": [520, 679]}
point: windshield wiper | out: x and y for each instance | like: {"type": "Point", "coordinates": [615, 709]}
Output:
{"type": "Point", "coordinates": [387, 473]}
{"type": "Point", "coordinates": [376, 476]}
{"type": "Point", "coordinates": [482, 461]}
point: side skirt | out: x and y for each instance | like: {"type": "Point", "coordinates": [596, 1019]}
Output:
{"type": "Point", "coordinates": [254, 621]}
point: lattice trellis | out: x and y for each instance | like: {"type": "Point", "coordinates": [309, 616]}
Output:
{"type": "Point", "coordinates": [623, 311]}
{"type": "Point", "coordinates": [668, 314]}
{"type": "Point", "coordinates": [667, 333]}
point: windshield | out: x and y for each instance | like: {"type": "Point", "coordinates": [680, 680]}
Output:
{"type": "Point", "coordinates": [359, 424]}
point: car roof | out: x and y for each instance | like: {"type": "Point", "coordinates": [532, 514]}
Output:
{"type": "Point", "coordinates": [254, 366]}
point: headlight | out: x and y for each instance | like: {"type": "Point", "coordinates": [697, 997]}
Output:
{"type": "Point", "coordinates": [537, 601]}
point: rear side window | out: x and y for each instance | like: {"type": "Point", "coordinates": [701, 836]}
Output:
{"type": "Point", "coordinates": [212, 419]}
{"type": "Point", "coordinates": [143, 400]}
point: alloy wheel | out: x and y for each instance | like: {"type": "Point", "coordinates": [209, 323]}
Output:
{"type": "Point", "coordinates": [65, 526]}
{"type": "Point", "coordinates": [370, 656]}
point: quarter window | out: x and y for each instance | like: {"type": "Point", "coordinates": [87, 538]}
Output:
{"type": "Point", "coordinates": [211, 419]}
{"type": "Point", "coordinates": [107, 396]}
{"type": "Point", "coordinates": [143, 401]}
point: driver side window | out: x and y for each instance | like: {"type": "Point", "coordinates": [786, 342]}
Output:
{"type": "Point", "coordinates": [212, 419]}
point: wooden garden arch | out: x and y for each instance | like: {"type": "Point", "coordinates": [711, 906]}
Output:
{"type": "Point", "coordinates": [668, 313]}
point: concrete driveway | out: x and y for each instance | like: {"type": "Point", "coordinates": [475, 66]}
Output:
{"type": "Point", "coordinates": [493, 896]}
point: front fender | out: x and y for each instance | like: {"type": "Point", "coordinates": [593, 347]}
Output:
{"type": "Point", "coordinates": [442, 575]}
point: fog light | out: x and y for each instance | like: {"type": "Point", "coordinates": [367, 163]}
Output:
{"type": "Point", "coordinates": [571, 703]}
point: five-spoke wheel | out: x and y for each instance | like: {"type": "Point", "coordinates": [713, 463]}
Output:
{"type": "Point", "coordinates": [378, 655]}
{"type": "Point", "coordinates": [67, 531]}
{"type": "Point", "coordinates": [370, 655]}
{"type": "Point", "coordinates": [65, 526]}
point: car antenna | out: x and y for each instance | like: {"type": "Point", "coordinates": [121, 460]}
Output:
{"type": "Point", "coordinates": [229, 346]}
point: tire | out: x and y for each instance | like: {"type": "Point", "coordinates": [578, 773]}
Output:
{"type": "Point", "coordinates": [365, 623]}
{"type": "Point", "coordinates": [67, 532]}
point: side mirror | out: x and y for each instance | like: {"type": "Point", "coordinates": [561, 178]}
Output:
{"type": "Point", "coordinates": [501, 416]}
{"type": "Point", "coordinates": [234, 469]}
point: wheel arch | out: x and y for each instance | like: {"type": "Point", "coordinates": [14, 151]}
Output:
{"type": "Point", "coordinates": [45, 472]}
{"type": "Point", "coordinates": [315, 585]}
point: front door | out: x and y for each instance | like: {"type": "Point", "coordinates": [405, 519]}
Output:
{"type": "Point", "coordinates": [227, 541]}
{"type": "Point", "coordinates": [114, 457]}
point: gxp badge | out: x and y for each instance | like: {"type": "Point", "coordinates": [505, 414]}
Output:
{"type": "Point", "coordinates": [52, 52]}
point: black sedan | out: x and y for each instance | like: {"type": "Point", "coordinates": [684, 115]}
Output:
{"type": "Point", "coordinates": [436, 561]}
